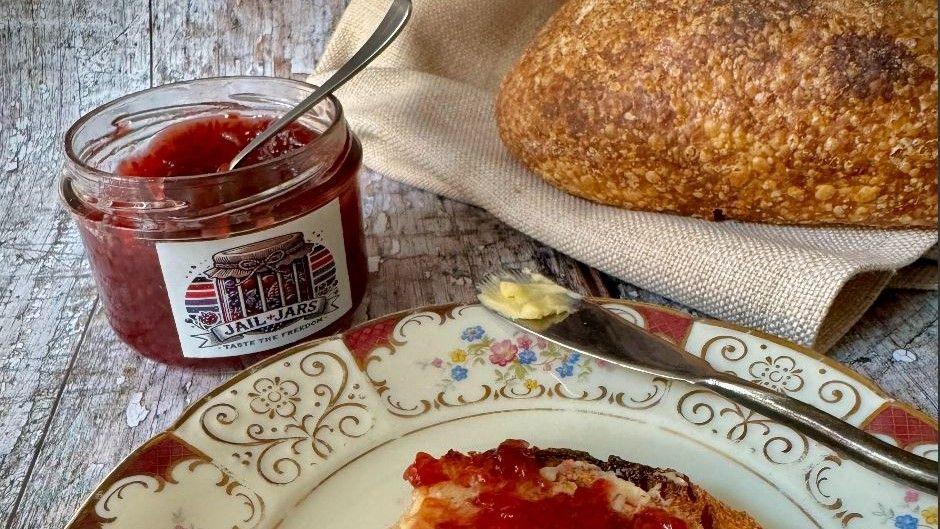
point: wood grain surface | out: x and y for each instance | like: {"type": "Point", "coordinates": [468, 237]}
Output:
{"type": "Point", "coordinates": [73, 399]}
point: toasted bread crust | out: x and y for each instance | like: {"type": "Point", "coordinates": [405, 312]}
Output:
{"type": "Point", "coordinates": [687, 500]}
{"type": "Point", "coordinates": [780, 111]}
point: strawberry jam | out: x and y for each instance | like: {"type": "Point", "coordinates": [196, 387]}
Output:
{"type": "Point", "coordinates": [197, 265]}
{"type": "Point", "coordinates": [206, 145]}
{"type": "Point", "coordinates": [513, 494]}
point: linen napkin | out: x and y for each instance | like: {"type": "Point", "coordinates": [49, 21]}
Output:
{"type": "Point", "coordinates": [425, 113]}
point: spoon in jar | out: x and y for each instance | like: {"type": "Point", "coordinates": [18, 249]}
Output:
{"type": "Point", "coordinates": [390, 27]}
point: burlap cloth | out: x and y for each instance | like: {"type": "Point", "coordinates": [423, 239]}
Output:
{"type": "Point", "coordinates": [424, 111]}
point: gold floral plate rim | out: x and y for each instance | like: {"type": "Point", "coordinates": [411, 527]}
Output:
{"type": "Point", "coordinates": [806, 351]}
{"type": "Point", "coordinates": [120, 469]}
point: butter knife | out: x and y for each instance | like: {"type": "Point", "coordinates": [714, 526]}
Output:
{"type": "Point", "coordinates": [594, 331]}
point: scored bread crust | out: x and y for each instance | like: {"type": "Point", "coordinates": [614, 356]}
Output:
{"type": "Point", "coordinates": [686, 500]}
{"type": "Point", "coordinates": [780, 111]}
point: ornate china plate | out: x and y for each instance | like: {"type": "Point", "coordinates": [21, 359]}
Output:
{"type": "Point", "coordinates": [318, 436]}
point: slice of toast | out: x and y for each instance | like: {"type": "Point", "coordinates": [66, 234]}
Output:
{"type": "Point", "coordinates": [516, 486]}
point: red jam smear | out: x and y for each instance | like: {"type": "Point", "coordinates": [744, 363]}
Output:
{"type": "Point", "coordinates": [127, 269]}
{"type": "Point", "coordinates": [512, 468]}
{"type": "Point", "coordinates": [206, 145]}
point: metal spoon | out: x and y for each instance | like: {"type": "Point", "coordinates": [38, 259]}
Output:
{"type": "Point", "coordinates": [394, 21]}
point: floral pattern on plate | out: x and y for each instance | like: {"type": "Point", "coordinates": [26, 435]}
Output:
{"type": "Point", "coordinates": [915, 511]}
{"type": "Point", "coordinates": [514, 360]}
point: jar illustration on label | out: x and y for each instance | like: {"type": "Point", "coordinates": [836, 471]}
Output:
{"type": "Point", "coordinates": [262, 287]}
{"type": "Point", "coordinates": [258, 291]}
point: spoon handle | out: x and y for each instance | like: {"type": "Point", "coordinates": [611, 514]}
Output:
{"type": "Point", "coordinates": [393, 23]}
{"type": "Point", "coordinates": [915, 471]}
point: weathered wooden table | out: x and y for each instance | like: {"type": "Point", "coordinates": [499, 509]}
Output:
{"type": "Point", "coordinates": [73, 399]}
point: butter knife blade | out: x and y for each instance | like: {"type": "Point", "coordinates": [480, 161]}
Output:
{"type": "Point", "coordinates": [594, 331]}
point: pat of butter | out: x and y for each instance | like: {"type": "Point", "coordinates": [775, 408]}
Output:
{"type": "Point", "coordinates": [534, 300]}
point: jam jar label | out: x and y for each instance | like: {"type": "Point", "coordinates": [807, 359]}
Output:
{"type": "Point", "coordinates": [259, 291]}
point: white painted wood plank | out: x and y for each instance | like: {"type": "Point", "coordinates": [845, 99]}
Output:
{"type": "Point", "coordinates": [57, 60]}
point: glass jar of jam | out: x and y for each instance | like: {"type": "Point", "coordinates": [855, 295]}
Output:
{"type": "Point", "coordinates": [196, 264]}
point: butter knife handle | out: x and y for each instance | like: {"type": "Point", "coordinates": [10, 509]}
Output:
{"type": "Point", "coordinates": [917, 472]}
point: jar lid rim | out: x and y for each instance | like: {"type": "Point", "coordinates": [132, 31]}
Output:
{"type": "Point", "coordinates": [98, 174]}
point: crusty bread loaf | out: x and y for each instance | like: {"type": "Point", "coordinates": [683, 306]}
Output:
{"type": "Point", "coordinates": [781, 111]}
